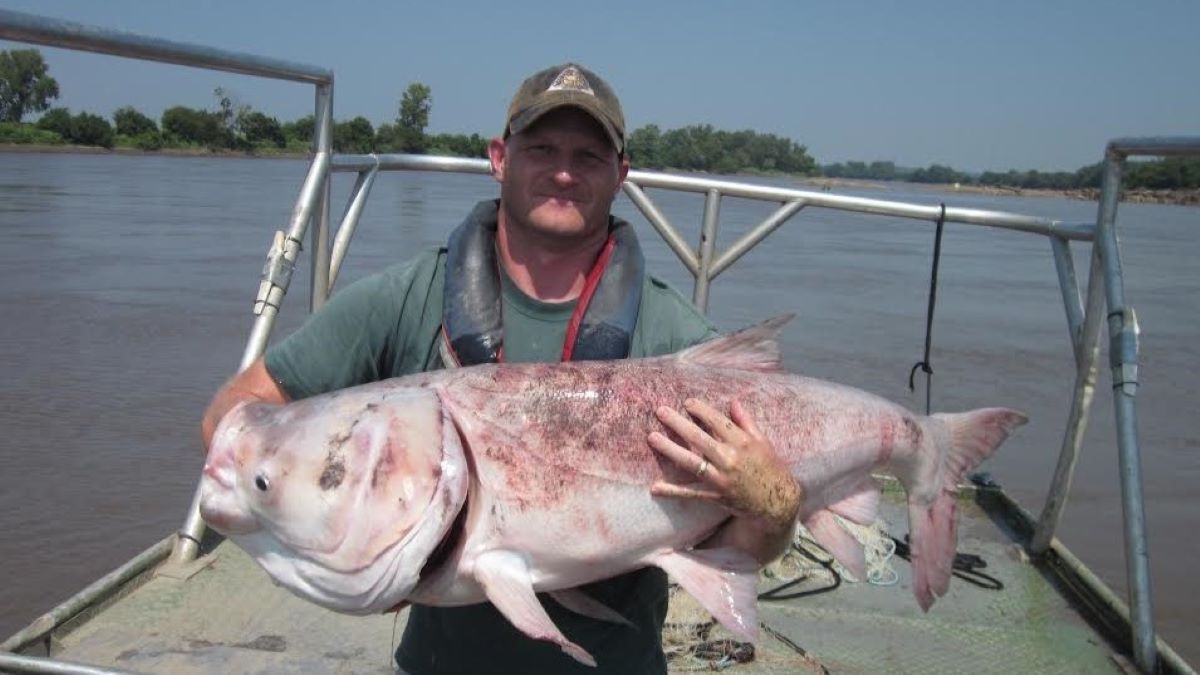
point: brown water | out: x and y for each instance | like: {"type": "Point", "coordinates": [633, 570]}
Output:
{"type": "Point", "coordinates": [126, 285]}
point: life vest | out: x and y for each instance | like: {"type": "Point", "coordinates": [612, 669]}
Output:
{"type": "Point", "coordinates": [601, 327]}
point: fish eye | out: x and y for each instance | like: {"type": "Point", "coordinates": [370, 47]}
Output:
{"type": "Point", "coordinates": [261, 482]}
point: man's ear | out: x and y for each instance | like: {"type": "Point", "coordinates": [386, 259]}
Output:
{"type": "Point", "coordinates": [622, 171]}
{"type": "Point", "coordinates": [497, 152]}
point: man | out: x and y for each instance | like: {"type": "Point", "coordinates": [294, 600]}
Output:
{"type": "Point", "coordinates": [544, 273]}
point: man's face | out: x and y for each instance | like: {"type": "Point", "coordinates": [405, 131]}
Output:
{"type": "Point", "coordinates": [558, 178]}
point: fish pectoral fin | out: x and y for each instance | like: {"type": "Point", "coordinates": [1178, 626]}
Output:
{"type": "Point", "coordinates": [834, 538]}
{"type": "Point", "coordinates": [723, 580]}
{"type": "Point", "coordinates": [581, 603]}
{"type": "Point", "coordinates": [504, 576]}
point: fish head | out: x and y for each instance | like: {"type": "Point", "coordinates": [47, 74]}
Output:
{"type": "Point", "coordinates": [337, 479]}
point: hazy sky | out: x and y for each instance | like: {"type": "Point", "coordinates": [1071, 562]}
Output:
{"type": "Point", "coordinates": [976, 85]}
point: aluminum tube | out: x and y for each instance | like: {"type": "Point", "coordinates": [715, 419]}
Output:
{"type": "Point", "coordinates": [1012, 221]}
{"type": "Point", "coordinates": [94, 592]}
{"type": "Point", "coordinates": [1068, 284]}
{"type": "Point", "coordinates": [401, 162]}
{"type": "Point", "coordinates": [1137, 554]}
{"type": "Point", "coordinates": [70, 35]}
{"type": "Point", "coordinates": [345, 231]}
{"type": "Point", "coordinates": [1163, 146]}
{"type": "Point", "coordinates": [650, 179]}
{"type": "Point", "coordinates": [319, 233]}
{"type": "Point", "coordinates": [1077, 419]}
{"type": "Point", "coordinates": [660, 223]}
{"type": "Point", "coordinates": [708, 242]}
{"type": "Point", "coordinates": [14, 663]}
{"type": "Point", "coordinates": [753, 237]}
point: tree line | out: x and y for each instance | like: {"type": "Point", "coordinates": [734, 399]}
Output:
{"type": "Point", "coordinates": [26, 87]}
{"type": "Point", "coordinates": [1170, 173]}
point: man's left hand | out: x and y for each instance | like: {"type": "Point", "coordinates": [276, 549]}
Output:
{"type": "Point", "coordinates": [736, 467]}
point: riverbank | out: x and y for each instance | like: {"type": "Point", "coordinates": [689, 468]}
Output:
{"type": "Point", "coordinates": [1137, 196]}
{"type": "Point", "coordinates": [66, 149]}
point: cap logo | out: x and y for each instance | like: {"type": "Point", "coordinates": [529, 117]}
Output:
{"type": "Point", "coordinates": [570, 79]}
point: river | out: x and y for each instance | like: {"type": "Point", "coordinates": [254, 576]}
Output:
{"type": "Point", "coordinates": [126, 285]}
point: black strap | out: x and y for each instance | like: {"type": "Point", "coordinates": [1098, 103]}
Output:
{"type": "Point", "coordinates": [924, 364]}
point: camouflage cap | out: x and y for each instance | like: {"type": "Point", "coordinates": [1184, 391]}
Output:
{"type": "Point", "coordinates": [568, 84]}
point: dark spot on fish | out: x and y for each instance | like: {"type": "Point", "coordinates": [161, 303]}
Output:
{"type": "Point", "coordinates": [370, 407]}
{"type": "Point", "coordinates": [336, 442]}
{"type": "Point", "coordinates": [914, 431]}
{"type": "Point", "coordinates": [334, 473]}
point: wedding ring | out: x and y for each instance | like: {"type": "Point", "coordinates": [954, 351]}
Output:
{"type": "Point", "coordinates": [703, 468]}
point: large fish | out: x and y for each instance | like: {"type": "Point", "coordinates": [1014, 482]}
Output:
{"type": "Point", "coordinates": [494, 482]}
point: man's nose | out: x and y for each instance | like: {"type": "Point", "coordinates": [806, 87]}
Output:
{"type": "Point", "coordinates": [564, 175]}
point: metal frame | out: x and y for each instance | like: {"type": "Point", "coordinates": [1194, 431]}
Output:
{"type": "Point", "coordinates": [1105, 287]}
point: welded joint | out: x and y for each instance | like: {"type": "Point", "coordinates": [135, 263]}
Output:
{"type": "Point", "coordinates": [1123, 331]}
{"type": "Point", "coordinates": [277, 270]}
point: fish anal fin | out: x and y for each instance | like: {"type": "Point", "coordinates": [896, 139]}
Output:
{"type": "Point", "coordinates": [862, 505]}
{"type": "Point", "coordinates": [504, 576]}
{"type": "Point", "coordinates": [581, 603]}
{"type": "Point", "coordinates": [834, 538]}
{"type": "Point", "coordinates": [723, 580]}
{"type": "Point", "coordinates": [755, 348]}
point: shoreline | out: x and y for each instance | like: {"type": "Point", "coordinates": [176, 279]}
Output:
{"type": "Point", "coordinates": [1178, 197]}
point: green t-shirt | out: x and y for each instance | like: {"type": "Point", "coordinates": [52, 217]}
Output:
{"type": "Point", "coordinates": [388, 325]}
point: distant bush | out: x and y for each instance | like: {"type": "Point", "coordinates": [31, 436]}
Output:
{"type": "Point", "coordinates": [57, 120]}
{"type": "Point", "coordinates": [182, 125]}
{"type": "Point", "coordinates": [89, 129]}
{"type": "Point", "coordinates": [130, 122]}
{"type": "Point", "coordinates": [15, 132]}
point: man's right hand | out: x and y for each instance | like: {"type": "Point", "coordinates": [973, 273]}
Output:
{"type": "Point", "coordinates": [252, 384]}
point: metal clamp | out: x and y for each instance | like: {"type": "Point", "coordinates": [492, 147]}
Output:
{"type": "Point", "coordinates": [277, 271]}
{"type": "Point", "coordinates": [1123, 333]}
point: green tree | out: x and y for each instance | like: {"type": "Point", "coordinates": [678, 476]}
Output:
{"type": "Point", "coordinates": [261, 129]}
{"type": "Point", "coordinates": [57, 120]}
{"type": "Point", "coordinates": [356, 135]}
{"type": "Point", "coordinates": [89, 129]}
{"type": "Point", "coordinates": [130, 122]}
{"type": "Point", "coordinates": [198, 127]}
{"type": "Point", "coordinates": [644, 147]}
{"type": "Point", "coordinates": [415, 105]}
{"type": "Point", "coordinates": [300, 130]}
{"type": "Point", "coordinates": [25, 86]}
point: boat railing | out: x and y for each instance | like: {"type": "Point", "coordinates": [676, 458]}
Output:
{"type": "Point", "coordinates": [311, 215]}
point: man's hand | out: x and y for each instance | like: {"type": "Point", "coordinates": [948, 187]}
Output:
{"type": "Point", "coordinates": [252, 384]}
{"type": "Point", "coordinates": [737, 468]}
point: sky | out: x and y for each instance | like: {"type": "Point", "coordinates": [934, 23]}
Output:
{"type": "Point", "coordinates": [976, 85]}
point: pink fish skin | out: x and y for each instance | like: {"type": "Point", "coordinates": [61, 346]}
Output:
{"type": "Point", "coordinates": [498, 481]}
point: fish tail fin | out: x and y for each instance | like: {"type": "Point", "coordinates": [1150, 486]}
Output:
{"type": "Point", "coordinates": [972, 437]}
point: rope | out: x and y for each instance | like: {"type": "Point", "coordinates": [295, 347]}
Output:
{"type": "Point", "coordinates": [924, 364]}
{"type": "Point", "coordinates": [966, 567]}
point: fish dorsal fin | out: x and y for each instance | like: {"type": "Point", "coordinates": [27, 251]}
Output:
{"type": "Point", "coordinates": [754, 348]}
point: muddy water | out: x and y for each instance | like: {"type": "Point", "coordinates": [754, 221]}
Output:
{"type": "Point", "coordinates": [126, 285]}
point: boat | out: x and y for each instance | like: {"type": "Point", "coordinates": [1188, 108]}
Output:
{"type": "Point", "coordinates": [194, 603]}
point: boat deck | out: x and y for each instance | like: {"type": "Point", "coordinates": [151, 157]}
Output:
{"type": "Point", "coordinates": [228, 617]}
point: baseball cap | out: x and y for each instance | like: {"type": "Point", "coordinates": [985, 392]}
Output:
{"type": "Point", "coordinates": [569, 84]}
